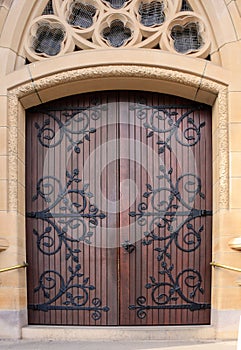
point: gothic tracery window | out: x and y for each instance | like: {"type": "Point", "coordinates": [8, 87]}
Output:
{"type": "Point", "coordinates": [68, 25]}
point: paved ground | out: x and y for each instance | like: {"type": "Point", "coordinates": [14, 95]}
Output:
{"type": "Point", "coordinates": [116, 345]}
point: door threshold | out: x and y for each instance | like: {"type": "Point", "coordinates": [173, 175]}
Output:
{"type": "Point", "coordinates": [124, 333]}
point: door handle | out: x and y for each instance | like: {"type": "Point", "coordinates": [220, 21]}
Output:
{"type": "Point", "coordinates": [128, 246]}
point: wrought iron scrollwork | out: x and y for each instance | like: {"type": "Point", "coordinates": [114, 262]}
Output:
{"type": "Point", "coordinates": [73, 222]}
{"type": "Point", "coordinates": [168, 211]}
{"type": "Point", "coordinates": [164, 213]}
{"type": "Point", "coordinates": [69, 213]}
{"type": "Point", "coordinates": [171, 211]}
{"type": "Point", "coordinates": [75, 128]}
{"type": "Point", "coordinates": [166, 121]}
{"type": "Point", "coordinates": [74, 293]}
{"type": "Point", "coordinates": [128, 246]}
{"type": "Point", "coordinates": [165, 294]}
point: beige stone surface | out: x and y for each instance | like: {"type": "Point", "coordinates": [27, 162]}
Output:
{"type": "Point", "coordinates": [235, 106]}
{"type": "Point", "coordinates": [228, 297]}
{"type": "Point", "coordinates": [146, 57]}
{"type": "Point", "coordinates": [235, 15]}
{"type": "Point", "coordinates": [3, 111]}
{"type": "Point", "coordinates": [21, 199]}
{"type": "Point", "coordinates": [4, 244]}
{"type": "Point", "coordinates": [3, 196]}
{"type": "Point", "coordinates": [30, 100]}
{"type": "Point", "coordinates": [235, 161]}
{"type": "Point", "coordinates": [216, 73]}
{"type": "Point", "coordinates": [205, 97]}
{"type": "Point", "coordinates": [82, 344]}
{"type": "Point", "coordinates": [203, 332]}
{"type": "Point", "coordinates": [3, 167]}
{"type": "Point", "coordinates": [21, 148]}
{"type": "Point", "coordinates": [12, 298]}
{"type": "Point", "coordinates": [230, 277]}
{"type": "Point", "coordinates": [230, 257]}
{"type": "Point", "coordinates": [238, 3]}
{"type": "Point", "coordinates": [113, 83]}
{"type": "Point", "coordinates": [21, 121]}
{"type": "Point", "coordinates": [3, 141]}
{"type": "Point", "coordinates": [230, 54]}
{"type": "Point", "coordinates": [13, 279]}
{"type": "Point", "coordinates": [215, 167]}
{"type": "Point", "coordinates": [229, 222]}
{"type": "Point", "coordinates": [235, 198]}
{"type": "Point", "coordinates": [21, 172]}
{"type": "Point", "coordinates": [235, 144]}
{"type": "Point", "coordinates": [3, 16]}
{"type": "Point", "coordinates": [15, 23]}
{"type": "Point", "coordinates": [220, 21]}
{"type": "Point", "coordinates": [7, 57]}
{"type": "Point", "coordinates": [221, 243]}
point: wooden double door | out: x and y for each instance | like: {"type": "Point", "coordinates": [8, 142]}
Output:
{"type": "Point", "coordinates": [118, 210]}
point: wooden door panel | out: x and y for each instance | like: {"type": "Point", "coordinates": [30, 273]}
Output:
{"type": "Point", "coordinates": [72, 278]}
{"type": "Point", "coordinates": [119, 210]}
{"type": "Point", "coordinates": [170, 262]}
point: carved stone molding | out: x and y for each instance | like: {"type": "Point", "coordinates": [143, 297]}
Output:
{"type": "Point", "coordinates": [115, 71]}
{"type": "Point", "coordinates": [223, 149]}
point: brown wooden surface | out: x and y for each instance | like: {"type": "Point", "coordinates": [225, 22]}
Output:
{"type": "Point", "coordinates": [119, 277]}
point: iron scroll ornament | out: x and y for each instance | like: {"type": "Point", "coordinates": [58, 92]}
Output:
{"type": "Point", "coordinates": [171, 211]}
{"type": "Point", "coordinates": [76, 293]}
{"type": "Point", "coordinates": [79, 117]}
{"type": "Point", "coordinates": [166, 122]}
{"type": "Point", "coordinates": [168, 205]}
{"type": "Point", "coordinates": [166, 294]}
{"type": "Point", "coordinates": [164, 214]}
{"type": "Point", "coordinates": [72, 216]}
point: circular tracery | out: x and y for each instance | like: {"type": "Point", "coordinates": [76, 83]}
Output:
{"type": "Point", "coordinates": [90, 24]}
{"type": "Point", "coordinates": [48, 38]}
{"type": "Point", "coordinates": [117, 34]}
{"type": "Point", "coordinates": [81, 15]}
{"type": "Point", "coordinates": [151, 14]}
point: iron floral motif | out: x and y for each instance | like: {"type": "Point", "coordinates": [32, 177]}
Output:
{"type": "Point", "coordinates": [171, 210]}
{"type": "Point", "coordinates": [168, 205]}
{"type": "Point", "coordinates": [69, 213]}
{"type": "Point", "coordinates": [76, 293]}
{"type": "Point", "coordinates": [166, 294]}
{"type": "Point", "coordinates": [76, 127]}
{"type": "Point", "coordinates": [166, 122]}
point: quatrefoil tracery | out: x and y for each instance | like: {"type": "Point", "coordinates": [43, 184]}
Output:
{"type": "Point", "coordinates": [89, 24]}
